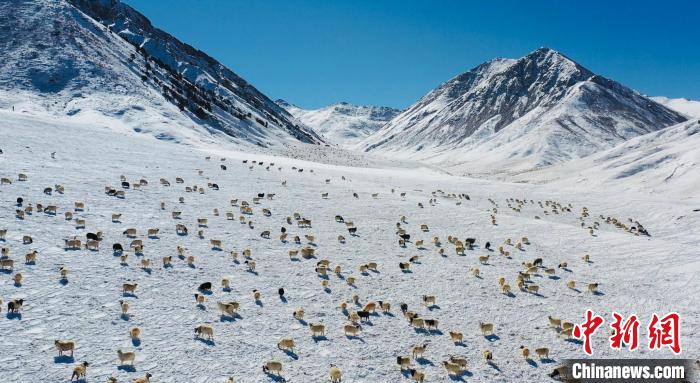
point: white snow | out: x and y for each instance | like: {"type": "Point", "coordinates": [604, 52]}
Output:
{"type": "Point", "coordinates": [342, 123]}
{"type": "Point", "coordinates": [637, 274]}
{"type": "Point", "coordinates": [690, 108]}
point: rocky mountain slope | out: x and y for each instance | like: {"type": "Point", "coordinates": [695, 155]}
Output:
{"type": "Point", "coordinates": [101, 57]}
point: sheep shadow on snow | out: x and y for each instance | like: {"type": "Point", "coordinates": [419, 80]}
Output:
{"type": "Point", "coordinates": [494, 366]}
{"type": "Point", "coordinates": [208, 342]}
{"type": "Point", "coordinates": [126, 367]}
{"type": "Point", "coordinates": [136, 342]}
{"type": "Point", "coordinates": [354, 337]}
{"type": "Point", "coordinates": [230, 318]}
{"type": "Point", "coordinates": [17, 316]}
{"type": "Point", "coordinates": [275, 377]}
{"type": "Point", "coordinates": [547, 360]}
{"type": "Point", "coordinates": [492, 337]}
{"type": "Point", "coordinates": [424, 362]}
{"type": "Point", "coordinates": [291, 354]}
{"type": "Point", "coordinates": [63, 359]}
{"type": "Point", "coordinates": [318, 338]}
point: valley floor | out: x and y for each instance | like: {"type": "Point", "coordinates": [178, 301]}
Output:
{"type": "Point", "coordinates": [637, 274]}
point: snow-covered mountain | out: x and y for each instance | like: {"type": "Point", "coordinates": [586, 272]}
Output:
{"type": "Point", "coordinates": [88, 58]}
{"type": "Point", "coordinates": [690, 108]}
{"type": "Point", "coordinates": [665, 162]}
{"type": "Point", "coordinates": [342, 123]}
{"type": "Point", "coordinates": [538, 110]}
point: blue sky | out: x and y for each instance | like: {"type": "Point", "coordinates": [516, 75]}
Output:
{"type": "Point", "coordinates": [386, 52]}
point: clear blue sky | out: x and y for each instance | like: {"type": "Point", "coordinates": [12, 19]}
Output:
{"type": "Point", "coordinates": [386, 52]}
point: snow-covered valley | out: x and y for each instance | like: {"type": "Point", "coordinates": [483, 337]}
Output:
{"type": "Point", "coordinates": [636, 274]}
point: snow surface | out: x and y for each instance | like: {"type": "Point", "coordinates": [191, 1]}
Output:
{"type": "Point", "coordinates": [637, 274]}
{"type": "Point", "coordinates": [690, 108]}
{"type": "Point", "coordinates": [342, 123]}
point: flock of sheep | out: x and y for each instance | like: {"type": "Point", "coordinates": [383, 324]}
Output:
{"type": "Point", "coordinates": [296, 230]}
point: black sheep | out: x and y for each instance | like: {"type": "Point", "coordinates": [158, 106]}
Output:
{"type": "Point", "coordinates": [206, 286]}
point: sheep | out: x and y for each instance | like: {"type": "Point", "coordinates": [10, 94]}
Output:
{"type": "Point", "coordinates": [431, 323]}
{"type": "Point", "coordinates": [488, 355]}
{"type": "Point", "coordinates": [190, 261]}
{"type": "Point", "coordinates": [64, 273]}
{"type": "Point", "coordinates": [3, 234]}
{"type": "Point", "coordinates": [405, 266]}
{"type": "Point", "coordinates": [554, 322]}
{"type": "Point", "coordinates": [429, 300]}
{"type": "Point", "coordinates": [135, 333]}
{"type": "Point", "coordinates": [404, 362]}
{"type": "Point", "coordinates": [129, 288]}
{"type": "Point", "coordinates": [567, 332]}
{"type": "Point", "coordinates": [354, 317]}
{"type": "Point", "coordinates": [484, 260]}
{"type": "Point", "coordinates": [251, 265]}
{"type": "Point", "coordinates": [146, 379]}
{"type": "Point", "coordinates": [228, 308]}
{"type": "Point", "coordinates": [257, 295]}
{"type": "Point", "coordinates": [146, 264]}
{"type": "Point", "coordinates": [298, 314]}
{"type": "Point", "coordinates": [199, 298]}
{"type": "Point", "coordinates": [571, 285]}
{"type": "Point", "coordinates": [10, 263]}
{"type": "Point", "coordinates": [370, 306]}
{"type": "Point", "coordinates": [27, 239]}
{"type": "Point", "coordinates": [592, 288]}
{"type": "Point", "coordinates": [64, 346]}
{"type": "Point", "coordinates": [372, 266]}
{"type": "Point", "coordinates": [335, 373]}
{"type": "Point", "coordinates": [418, 350]}
{"type": "Point", "coordinates": [131, 232]}
{"type": "Point", "coordinates": [124, 357]}
{"type": "Point", "coordinates": [204, 287]}
{"type": "Point", "coordinates": [461, 362]}
{"type": "Point", "coordinates": [167, 261]}
{"type": "Point", "coordinates": [124, 307]}
{"type": "Point", "coordinates": [271, 366]}
{"type": "Point", "coordinates": [352, 329]}
{"type": "Point", "coordinates": [386, 306]}
{"type": "Point", "coordinates": [215, 244]}
{"type": "Point", "coordinates": [542, 352]}
{"type": "Point", "coordinates": [525, 352]}
{"type": "Point", "coordinates": [225, 284]}
{"type": "Point", "coordinates": [452, 368]}
{"type": "Point", "coordinates": [533, 289]}
{"type": "Point", "coordinates": [486, 328]}
{"type": "Point", "coordinates": [153, 232]}
{"type": "Point", "coordinates": [476, 272]}
{"type": "Point", "coordinates": [456, 336]}
{"type": "Point", "coordinates": [30, 258]}
{"type": "Point", "coordinates": [350, 281]}
{"type": "Point", "coordinates": [204, 330]}
{"type": "Point", "coordinates": [317, 329]}
{"type": "Point", "coordinates": [286, 344]}
{"type": "Point", "coordinates": [506, 289]}
{"type": "Point", "coordinates": [79, 371]}
{"type": "Point", "coordinates": [14, 306]}
{"type": "Point", "coordinates": [417, 376]}
{"type": "Point", "coordinates": [341, 239]}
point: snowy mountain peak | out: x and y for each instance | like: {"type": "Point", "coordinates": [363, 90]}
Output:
{"type": "Point", "coordinates": [342, 123]}
{"type": "Point", "coordinates": [537, 110]}
{"type": "Point", "coordinates": [106, 60]}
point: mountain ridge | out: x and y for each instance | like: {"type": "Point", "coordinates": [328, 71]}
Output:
{"type": "Point", "coordinates": [537, 110]}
